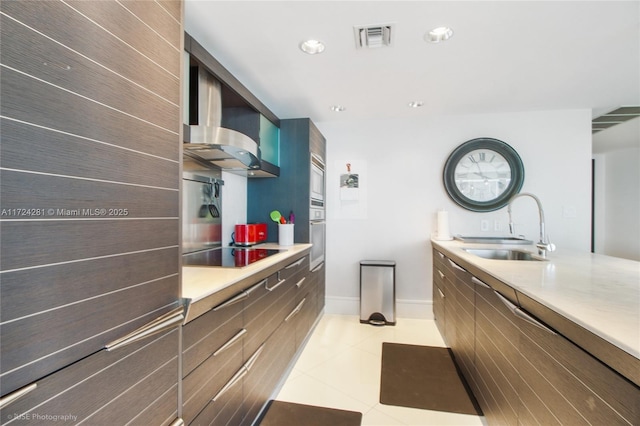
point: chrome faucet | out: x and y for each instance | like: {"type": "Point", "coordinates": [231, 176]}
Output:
{"type": "Point", "coordinates": [543, 245]}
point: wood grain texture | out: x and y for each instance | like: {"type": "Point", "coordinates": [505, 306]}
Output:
{"type": "Point", "coordinates": [25, 50]}
{"type": "Point", "coordinates": [91, 120]}
{"type": "Point", "coordinates": [83, 36]}
{"type": "Point", "coordinates": [103, 386]}
{"type": "Point", "coordinates": [70, 198]}
{"type": "Point", "coordinates": [35, 149]}
{"type": "Point", "coordinates": [38, 103]}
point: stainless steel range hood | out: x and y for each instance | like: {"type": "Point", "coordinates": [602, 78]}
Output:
{"type": "Point", "coordinates": [210, 142]}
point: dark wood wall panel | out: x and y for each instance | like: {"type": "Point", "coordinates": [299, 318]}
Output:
{"type": "Point", "coordinates": [32, 101]}
{"type": "Point", "coordinates": [173, 7]}
{"type": "Point", "coordinates": [68, 198]}
{"type": "Point", "coordinates": [118, 20]}
{"type": "Point", "coordinates": [24, 50]}
{"type": "Point", "coordinates": [27, 147]}
{"type": "Point", "coordinates": [155, 15]}
{"type": "Point", "coordinates": [35, 346]}
{"type": "Point", "coordinates": [104, 382]}
{"type": "Point", "coordinates": [58, 285]}
{"type": "Point", "coordinates": [85, 37]}
{"type": "Point", "coordinates": [90, 130]}
{"type": "Point", "coordinates": [46, 242]}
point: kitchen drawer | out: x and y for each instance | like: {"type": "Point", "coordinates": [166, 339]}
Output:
{"type": "Point", "coordinates": [564, 385]}
{"type": "Point", "coordinates": [294, 268]}
{"type": "Point", "coordinates": [305, 317]}
{"type": "Point", "coordinates": [268, 370]}
{"type": "Point", "coordinates": [317, 275]}
{"type": "Point", "coordinates": [268, 304]}
{"type": "Point", "coordinates": [137, 383]}
{"type": "Point", "coordinates": [207, 333]}
{"type": "Point", "coordinates": [227, 409]}
{"type": "Point", "coordinates": [495, 381]}
{"type": "Point", "coordinates": [203, 383]}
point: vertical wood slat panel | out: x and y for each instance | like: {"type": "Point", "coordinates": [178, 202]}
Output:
{"type": "Point", "coordinates": [61, 23]}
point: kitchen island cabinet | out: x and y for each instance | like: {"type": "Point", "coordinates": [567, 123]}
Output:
{"type": "Point", "coordinates": [526, 370]}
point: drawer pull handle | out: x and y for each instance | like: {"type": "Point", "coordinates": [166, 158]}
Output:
{"type": "Point", "coordinates": [252, 360]}
{"type": "Point", "coordinates": [528, 318]}
{"type": "Point", "coordinates": [523, 315]}
{"type": "Point", "coordinates": [231, 383]}
{"type": "Point", "coordinates": [14, 396]}
{"type": "Point", "coordinates": [480, 283]}
{"type": "Point", "coordinates": [239, 298]}
{"type": "Point", "coordinates": [440, 254]}
{"type": "Point", "coordinates": [239, 374]}
{"type": "Point", "coordinates": [317, 268]}
{"type": "Point", "coordinates": [295, 310]}
{"type": "Point", "coordinates": [278, 284]}
{"type": "Point", "coordinates": [178, 422]}
{"type": "Point", "coordinates": [441, 274]}
{"type": "Point", "coordinates": [299, 283]}
{"type": "Point", "coordinates": [165, 322]}
{"type": "Point", "coordinates": [230, 342]}
{"type": "Point", "coordinates": [257, 286]}
{"type": "Point", "coordinates": [456, 266]}
{"type": "Point", "coordinates": [293, 265]}
{"type": "Point", "coordinates": [441, 293]}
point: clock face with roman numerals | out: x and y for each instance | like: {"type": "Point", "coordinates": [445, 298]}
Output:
{"type": "Point", "coordinates": [483, 174]}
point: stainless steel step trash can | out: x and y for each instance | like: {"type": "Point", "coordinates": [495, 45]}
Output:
{"type": "Point", "coordinates": [378, 292]}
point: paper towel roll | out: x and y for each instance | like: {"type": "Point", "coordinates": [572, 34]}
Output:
{"type": "Point", "coordinates": [442, 232]}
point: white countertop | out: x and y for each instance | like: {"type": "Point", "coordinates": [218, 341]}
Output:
{"type": "Point", "coordinates": [199, 282]}
{"type": "Point", "coordinates": [599, 293]}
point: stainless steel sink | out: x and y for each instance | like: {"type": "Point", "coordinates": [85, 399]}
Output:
{"type": "Point", "coordinates": [504, 254]}
{"type": "Point", "coordinates": [493, 240]}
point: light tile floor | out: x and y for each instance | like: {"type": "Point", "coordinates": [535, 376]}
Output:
{"type": "Point", "coordinates": [340, 368]}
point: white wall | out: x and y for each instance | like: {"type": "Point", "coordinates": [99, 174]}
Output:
{"type": "Point", "coordinates": [617, 200]}
{"type": "Point", "coordinates": [400, 166]}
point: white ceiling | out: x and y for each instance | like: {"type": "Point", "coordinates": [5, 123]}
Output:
{"type": "Point", "coordinates": [504, 56]}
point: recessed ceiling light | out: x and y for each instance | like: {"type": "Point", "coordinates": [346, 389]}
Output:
{"type": "Point", "coordinates": [338, 108]}
{"type": "Point", "coordinates": [312, 47]}
{"type": "Point", "coordinates": [439, 34]}
{"type": "Point", "coordinates": [416, 104]}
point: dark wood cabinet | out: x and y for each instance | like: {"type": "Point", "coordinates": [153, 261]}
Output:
{"type": "Point", "coordinates": [236, 354]}
{"type": "Point", "coordinates": [496, 381]}
{"type": "Point", "coordinates": [135, 384]}
{"type": "Point", "coordinates": [522, 371]}
{"type": "Point", "coordinates": [90, 140]}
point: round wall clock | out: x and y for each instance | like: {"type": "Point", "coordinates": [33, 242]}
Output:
{"type": "Point", "coordinates": [483, 174]}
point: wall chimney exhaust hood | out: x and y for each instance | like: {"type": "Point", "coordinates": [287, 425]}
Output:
{"type": "Point", "coordinates": [207, 140]}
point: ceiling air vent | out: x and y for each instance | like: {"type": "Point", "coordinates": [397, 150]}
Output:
{"type": "Point", "coordinates": [620, 115]}
{"type": "Point", "coordinates": [371, 36]}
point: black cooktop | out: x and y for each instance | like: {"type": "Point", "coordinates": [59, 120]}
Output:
{"type": "Point", "coordinates": [227, 257]}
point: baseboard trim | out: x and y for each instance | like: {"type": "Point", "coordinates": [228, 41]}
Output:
{"type": "Point", "coordinates": [418, 309]}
